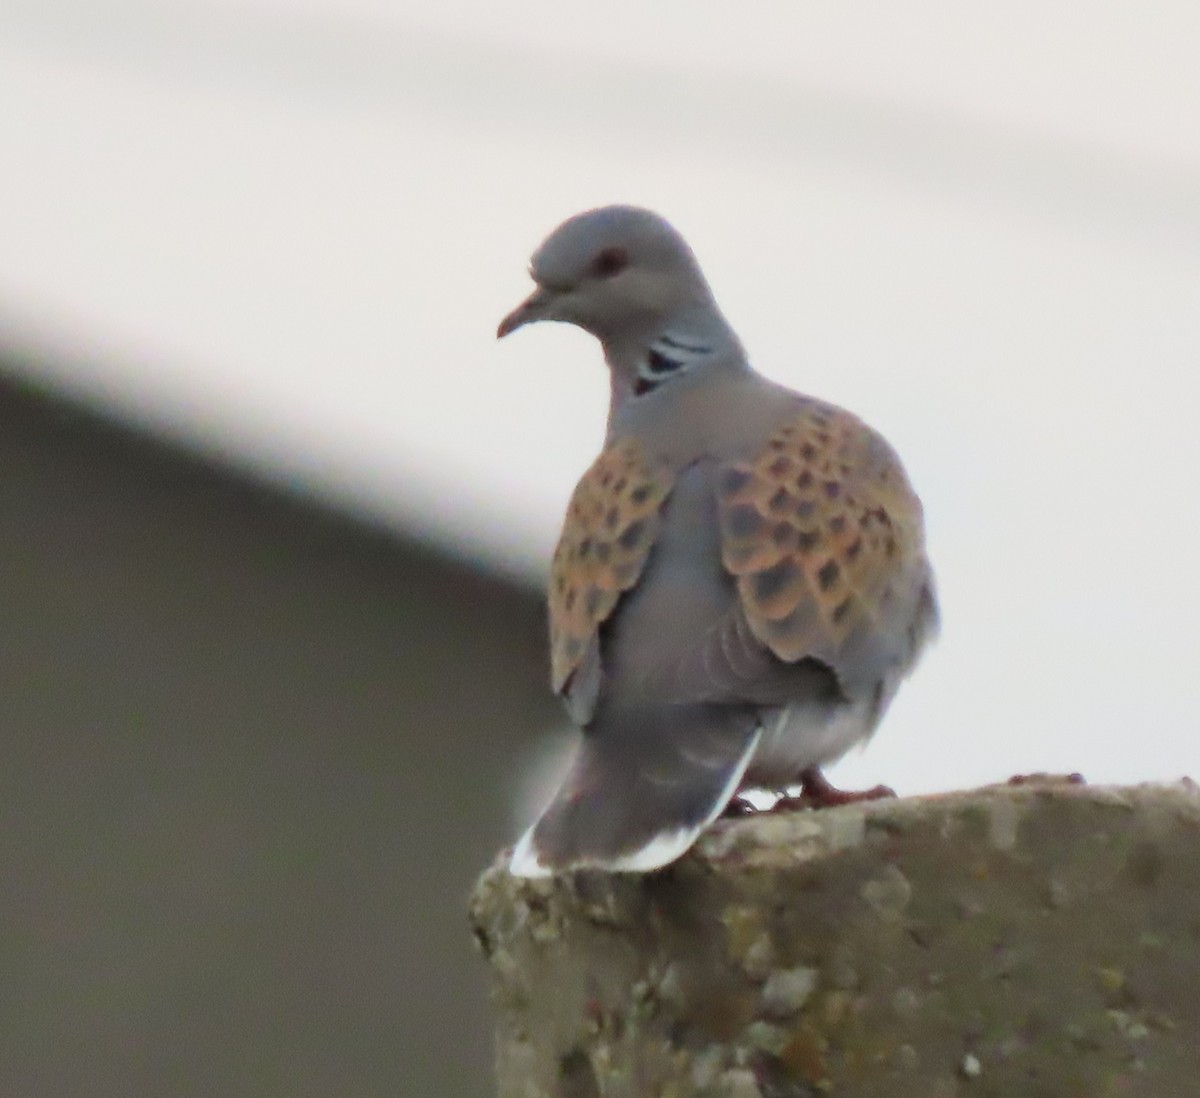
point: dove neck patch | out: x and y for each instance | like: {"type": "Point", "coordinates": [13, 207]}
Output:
{"type": "Point", "coordinates": [667, 357]}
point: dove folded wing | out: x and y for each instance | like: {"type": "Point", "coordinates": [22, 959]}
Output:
{"type": "Point", "coordinates": [612, 522]}
{"type": "Point", "coordinates": [824, 537]}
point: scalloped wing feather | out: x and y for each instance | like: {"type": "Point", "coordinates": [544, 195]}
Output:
{"type": "Point", "coordinates": [824, 536]}
{"type": "Point", "coordinates": [611, 526]}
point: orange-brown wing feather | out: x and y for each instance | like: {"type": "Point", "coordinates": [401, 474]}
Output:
{"type": "Point", "coordinates": [612, 523]}
{"type": "Point", "coordinates": [822, 532]}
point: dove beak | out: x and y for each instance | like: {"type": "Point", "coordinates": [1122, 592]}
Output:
{"type": "Point", "coordinates": [538, 305]}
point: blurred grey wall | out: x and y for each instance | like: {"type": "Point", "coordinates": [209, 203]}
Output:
{"type": "Point", "coordinates": [253, 755]}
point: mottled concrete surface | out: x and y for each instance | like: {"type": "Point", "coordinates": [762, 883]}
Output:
{"type": "Point", "coordinates": [1032, 940]}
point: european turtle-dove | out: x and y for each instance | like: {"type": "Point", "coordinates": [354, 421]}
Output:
{"type": "Point", "coordinates": [741, 580]}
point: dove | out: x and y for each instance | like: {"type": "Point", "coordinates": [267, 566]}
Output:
{"type": "Point", "coordinates": [741, 582]}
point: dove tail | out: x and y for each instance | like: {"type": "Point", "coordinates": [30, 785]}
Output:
{"type": "Point", "coordinates": [644, 783]}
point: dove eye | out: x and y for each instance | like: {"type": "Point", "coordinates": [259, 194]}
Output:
{"type": "Point", "coordinates": [609, 262]}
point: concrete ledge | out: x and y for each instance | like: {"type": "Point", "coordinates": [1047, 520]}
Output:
{"type": "Point", "coordinates": [1032, 940]}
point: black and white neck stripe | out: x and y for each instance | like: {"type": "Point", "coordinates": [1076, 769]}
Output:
{"type": "Point", "coordinates": [667, 357]}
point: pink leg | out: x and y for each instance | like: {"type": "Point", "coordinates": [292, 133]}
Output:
{"type": "Point", "coordinates": [1042, 778]}
{"type": "Point", "coordinates": [816, 792]}
{"type": "Point", "coordinates": [737, 808]}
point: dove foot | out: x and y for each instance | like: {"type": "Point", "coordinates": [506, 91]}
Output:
{"type": "Point", "coordinates": [1043, 778]}
{"type": "Point", "coordinates": [816, 792]}
{"type": "Point", "coordinates": [737, 808]}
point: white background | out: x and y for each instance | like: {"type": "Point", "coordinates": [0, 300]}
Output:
{"type": "Point", "coordinates": [286, 231]}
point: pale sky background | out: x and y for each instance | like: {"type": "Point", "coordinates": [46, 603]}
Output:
{"type": "Point", "coordinates": [285, 231]}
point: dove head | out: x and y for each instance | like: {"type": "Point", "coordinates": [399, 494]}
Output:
{"type": "Point", "coordinates": [626, 276]}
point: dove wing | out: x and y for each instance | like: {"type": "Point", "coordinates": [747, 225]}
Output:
{"type": "Point", "coordinates": [823, 534]}
{"type": "Point", "coordinates": [612, 522]}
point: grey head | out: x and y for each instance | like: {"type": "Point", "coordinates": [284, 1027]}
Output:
{"type": "Point", "coordinates": [625, 275]}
